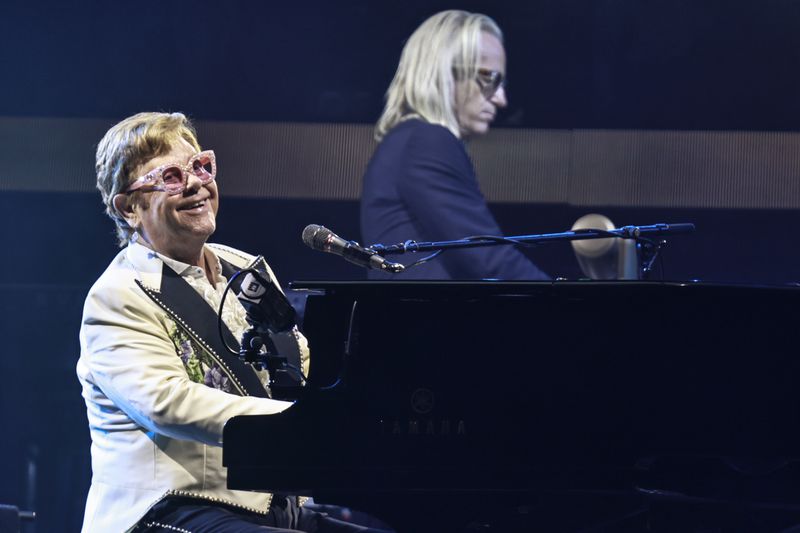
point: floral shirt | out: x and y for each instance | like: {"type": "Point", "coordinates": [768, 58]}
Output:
{"type": "Point", "coordinates": [200, 366]}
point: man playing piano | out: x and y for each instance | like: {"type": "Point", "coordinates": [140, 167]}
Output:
{"type": "Point", "coordinates": [158, 382]}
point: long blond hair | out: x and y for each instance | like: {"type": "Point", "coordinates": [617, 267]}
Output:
{"type": "Point", "coordinates": [443, 50]}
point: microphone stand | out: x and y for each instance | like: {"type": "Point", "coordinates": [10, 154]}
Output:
{"type": "Point", "coordinates": [648, 249]}
{"type": "Point", "coordinates": [258, 350]}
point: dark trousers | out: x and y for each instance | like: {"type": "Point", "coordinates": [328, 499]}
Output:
{"type": "Point", "coordinates": [189, 515]}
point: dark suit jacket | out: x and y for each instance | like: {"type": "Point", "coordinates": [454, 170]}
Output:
{"type": "Point", "coordinates": [420, 185]}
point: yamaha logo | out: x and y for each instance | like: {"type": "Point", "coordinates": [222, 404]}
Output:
{"type": "Point", "coordinates": [422, 401]}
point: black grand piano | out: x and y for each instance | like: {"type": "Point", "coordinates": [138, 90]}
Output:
{"type": "Point", "coordinates": [427, 397]}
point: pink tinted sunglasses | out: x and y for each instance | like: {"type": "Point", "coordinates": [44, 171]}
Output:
{"type": "Point", "coordinates": [173, 178]}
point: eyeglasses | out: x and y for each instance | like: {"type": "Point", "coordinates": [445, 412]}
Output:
{"type": "Point", "coordinates": [173, 178]}
{"type": "Point", "coordinates": [490, 81]}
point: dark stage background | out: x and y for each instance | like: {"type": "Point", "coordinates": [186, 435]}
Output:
{"type": "Point", "coordinates": [716, 67]}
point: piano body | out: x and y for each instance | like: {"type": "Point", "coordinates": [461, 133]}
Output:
{"type": "Point", "coordinates": [424, 391]}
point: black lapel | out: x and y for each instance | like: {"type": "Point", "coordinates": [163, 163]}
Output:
{"type": "Point", "coordinates": [228, 270]}
{"type": "Point", "coordinates": [191, 311]}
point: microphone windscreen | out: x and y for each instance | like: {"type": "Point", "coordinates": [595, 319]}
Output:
{"type": "Point", "coordinates": [314, 236]}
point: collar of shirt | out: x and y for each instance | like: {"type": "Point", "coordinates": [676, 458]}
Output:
{"type": "Point", "coordinates": [184, 270]}
{"type": "Point", "coordinates": [191, 271]}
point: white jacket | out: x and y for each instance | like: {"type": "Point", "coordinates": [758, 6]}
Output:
{"type": "Point", "coordinates": [154, 430]}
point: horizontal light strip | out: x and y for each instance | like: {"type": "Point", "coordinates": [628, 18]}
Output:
{"type": "Point", "coordinates": [627, 168]}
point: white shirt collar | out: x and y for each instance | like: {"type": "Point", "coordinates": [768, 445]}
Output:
{"type": "Point", "coordinates": [181, 268]}
{"type": "Point", "coordinates": [185, 269]}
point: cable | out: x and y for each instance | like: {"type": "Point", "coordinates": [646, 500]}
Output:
{"type": "Point", "coordinates": [424, 259]}
{"type": "Point", "coordinates": [222, 305]}
{"type": "Point", "coordinates": [471, 238]}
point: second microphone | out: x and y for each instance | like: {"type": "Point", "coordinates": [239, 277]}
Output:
{"type": "Point", "coordinates": [324, 240]}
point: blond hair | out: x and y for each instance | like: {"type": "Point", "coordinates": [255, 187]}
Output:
{"type": "Point", "coordinates": [442, 51]}
{"type": "Point", "coordinates": [129, 145]}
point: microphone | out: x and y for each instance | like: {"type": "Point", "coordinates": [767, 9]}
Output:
{"type": "Point", "coordinates": [269, 312]}
{"type": "Point", "coordinates": [324, 240]}
{"type": "Point", "coordinates": [267, 307]}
